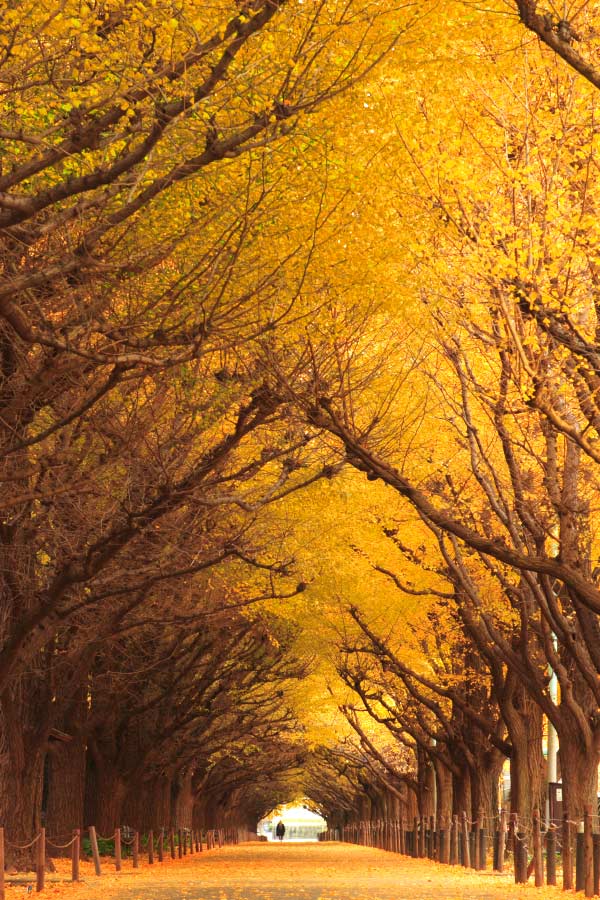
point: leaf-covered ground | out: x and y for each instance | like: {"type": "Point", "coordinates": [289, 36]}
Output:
{"type": "Point", "coordinates": [288, 871]}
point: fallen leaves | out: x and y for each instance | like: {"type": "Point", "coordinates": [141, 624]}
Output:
{"type": "Point", "coordinates": [294, 871]}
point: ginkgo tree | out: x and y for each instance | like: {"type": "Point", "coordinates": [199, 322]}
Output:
{"type": "Point", "coordinates": [502, 488]}
{"type": "Point", "coordinates": [151, 253]}
{"type": "Point", "coordinates": [251, 253]}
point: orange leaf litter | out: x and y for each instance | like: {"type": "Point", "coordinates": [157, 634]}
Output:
{"type": "Point", "coordinates": [286, 871]}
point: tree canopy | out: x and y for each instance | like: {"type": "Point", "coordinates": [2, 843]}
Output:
{"type": "Point", "coordinates": [299, 416]}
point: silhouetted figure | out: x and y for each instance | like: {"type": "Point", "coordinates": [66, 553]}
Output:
{"type": "Point", "coordinates": [280, 830]}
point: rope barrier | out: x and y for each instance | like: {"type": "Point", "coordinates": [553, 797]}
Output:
{"type": "Point", "coordinates": [23, 846]}
{"type": "Point", "coordinates": [61, 846]}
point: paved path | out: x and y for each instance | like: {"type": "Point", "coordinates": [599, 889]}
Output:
{"type": "Point", "coordinates": [298, 871]}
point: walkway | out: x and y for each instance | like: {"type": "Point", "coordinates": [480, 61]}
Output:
{"type": "Point", "coordinates": [297, 871]}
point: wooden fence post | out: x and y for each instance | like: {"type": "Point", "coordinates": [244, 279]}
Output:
{"type": "Point", "coordinates": [75, 853]}
{"type": "Point", "coordinates": [135, 849]}
{"type": "Point", "coordinates": [466, 843]}
{"type": "Point", "coordinates": [40, 861]}
{"type": "Point", "coordinates": [512, 840]}
{"type": "Point", "coordinates": [150, 847]}
{"type": "Point", "coordinates": [520, 854]}
{"type": "Point", "coordinates": [579, 861]}
{"type": "Point", "coordinates": [567, 855]}
{"type": "Point", "coordinates": [1, 863]}
{"type": "Point", "coordinates": [579, 858]}
{"type": "Point", "coordinates": [472, 841]}
{"type": "Point", "coordinates": [551, 855]}
{"type": "Point", "coordinates": [501, 847]}
{"type": "Point", "coordinates": [476, 847]}
{"type": "Point", "coordinates": [588, 852]}
{"type": "Point", "coordinates": [95, 854]}
{"type": "Point", "coordinates": [454, 840]}
{"type": "Point", "coordinates": [444, 846]}
{"type": "Point", "coordinates": [118, 849]}
{"type": "Point", "coordinates": [483, 842]}
{"type": "Point", "coordinates": [538, 861]}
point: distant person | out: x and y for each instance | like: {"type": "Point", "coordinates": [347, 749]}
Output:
{"type": "Point", "coordinates": [280, 830]}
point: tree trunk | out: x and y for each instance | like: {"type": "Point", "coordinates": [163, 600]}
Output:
{"type": "Point", "coordinates": [23, 742]}
{"type": "Point", "coordinates": [579, 770]}
{"type": "Point", "coordinates": [461, 792]}
{"type": "Point", "coordinates": [444, 791]}
{"type": "Point", "coordinates": [411, 808]}
{"type": "Point", "coordinates": [112, 791]}
{"type": "Point", "coordinates": [21, 804]}
{"type": "Point", "coordinates": [484, 784]}
{"type": "Point", "coordinates": [148, 805]}
{"type": "Point", "coordinates": [183, 800]}
{"type": "Point", "coordinates": [425, 776]}
{"type": "Point", "coordinates": [524, 722]}
{"type": "Point", "coordinates": [66, 787]}
{"type": "Point", "coordinates": [26, 699]}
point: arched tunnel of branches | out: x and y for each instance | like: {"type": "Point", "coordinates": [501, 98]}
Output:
{"type": "Point", "coordinates": [299, 413]}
